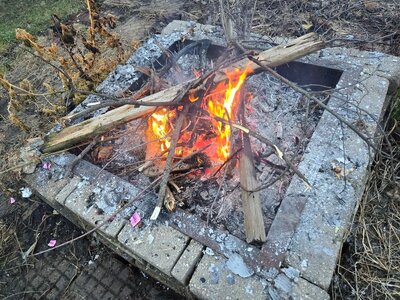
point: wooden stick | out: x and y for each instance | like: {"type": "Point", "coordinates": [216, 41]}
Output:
{"type": "Point", "coordinates": [71, 167]}
{"type": "Point", "coordinates": [272, 57]}
{"type": "Point", "coordinates": [101, 124]}
{"type": "Point", "coordinates": [168, 164]}
{"type": "Point", "coordinates": [253, 214]}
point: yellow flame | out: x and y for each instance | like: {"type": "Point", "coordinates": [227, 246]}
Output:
{"type": "Point", "coordinates": [221, 104]}
{"type": "Point", "coordinates": [223, 108]}
{"type": "Point", "coordinates": [159, 124]}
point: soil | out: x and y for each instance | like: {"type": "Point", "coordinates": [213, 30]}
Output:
{"type": "Point", "coordinates": [367, 25]}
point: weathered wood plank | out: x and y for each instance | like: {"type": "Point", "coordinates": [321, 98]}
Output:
{"type": "Point", "coordinates": [253, 215]}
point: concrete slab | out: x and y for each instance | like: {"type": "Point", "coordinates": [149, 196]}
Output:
{"type": "Point", "coordinates": [214, 280]}
{"type": "Point", "coordinates": [159, 245]}
{"type": "Point", "coordinates": [88, 205]}
{"type": "Point", "coordinates": [47, 183]}
{"type": "Point", "coordinates": [330, 203]}
{"type": "Point", "coordinates": [184, 268]}
{"type": "Point", "coordinates": [304, 290]}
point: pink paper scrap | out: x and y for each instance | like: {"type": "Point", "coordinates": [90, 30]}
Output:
{"type": "Point", "coordinates": [135, 219]}
{"type": "Point", "coordinates": [47, 165]}
{"type": "Point", "coordinates": [52, 243]}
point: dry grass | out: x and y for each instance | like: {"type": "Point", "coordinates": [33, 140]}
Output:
{"type": "Point", "coordinates": [368, 25]}
{"type": "Point", "coordinates": [5, 237]}
{"type": "Point", "coordinates": [370, 263]}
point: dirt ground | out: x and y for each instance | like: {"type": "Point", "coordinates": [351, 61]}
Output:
{"type": "Point", "coordinates": [367, 25]}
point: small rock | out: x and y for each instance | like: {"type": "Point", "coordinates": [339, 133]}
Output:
{"type": "Point", "coordinates": [292, 273]}
{"type": "Point", "coordinates": [236, 264]}
{"type": "Point", "coordinates": [209, 251]}
{"type": "Point", "coordinates": [204, 195]}
{"type": "Point", "coordinates": [26, 192]}
{"type": "Point", "coordinates": [230, 279]}
{"type": "Point", "coordinates": [283, 283]}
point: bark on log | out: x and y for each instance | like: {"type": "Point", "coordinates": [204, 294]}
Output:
{"type": "Point", "coordinates": [273, 57]}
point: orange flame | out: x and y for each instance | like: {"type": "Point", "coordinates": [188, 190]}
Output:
{"type": "Point", "coordinates": [223, 107]}
{"type": "Point", "coordinates": [221, 102]}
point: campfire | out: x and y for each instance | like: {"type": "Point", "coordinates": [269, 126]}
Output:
{"type": "Point", "coordinates": [210, 135]}
{"type": "Point", "coordinates": [203, 129]}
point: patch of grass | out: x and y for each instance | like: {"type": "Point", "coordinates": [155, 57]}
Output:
{"type": "Point", "coordinates": [32, 15]}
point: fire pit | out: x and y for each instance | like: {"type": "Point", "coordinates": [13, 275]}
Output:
{"type": "Point", "coordinates": [206, 190]}
{"type": "Point", "coordinates": [303, 218]}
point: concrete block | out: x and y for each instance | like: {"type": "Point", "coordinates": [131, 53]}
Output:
{"type": "Point", "coordinates": [80, 203]}
{"type": "Point", "coordinates": [212, 279]}
{"type": "Point", "coordinates": [304, 290]}
{"type": "Point", "coordinates": [47, 183]}
{"type": "Point", "coordinates": [67, 189]}
{"type": "Point", "coordinates": [187, 262]}
{"type": "Point", "coordinates": [315, 246]}
{"type": "Point", "coordinates": [159, 245]}
{"type": "Point", "coordinates": [92, 173]}
{"type": "Point", "coordinates": [377, 63]}
{"type": "Point", "coordinates": [111, 191]}
{"type": "Point", "coordinates": [195, 31]}
{"type": "Point", "coordinates": [123, 3]}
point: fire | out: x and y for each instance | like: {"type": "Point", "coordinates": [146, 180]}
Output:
{"type": "Point", "coordinates": [158, 125]}
{"type": "Point", "coordinates": [221, 102]}
{"type": "Point", "coordinates": [223, 107]}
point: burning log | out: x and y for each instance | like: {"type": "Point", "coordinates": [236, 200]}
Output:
{"type": "Point", "coordinates": [81, 132]}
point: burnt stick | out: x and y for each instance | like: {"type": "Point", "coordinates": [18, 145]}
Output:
{"type": "Point", "coordinates": [251, 202]}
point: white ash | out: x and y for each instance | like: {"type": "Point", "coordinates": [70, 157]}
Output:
{"type": "Point", "coordinates": [26, 192]}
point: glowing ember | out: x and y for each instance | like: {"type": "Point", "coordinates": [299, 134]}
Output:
{"type": "Point", "coordinates": [196, 73]}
